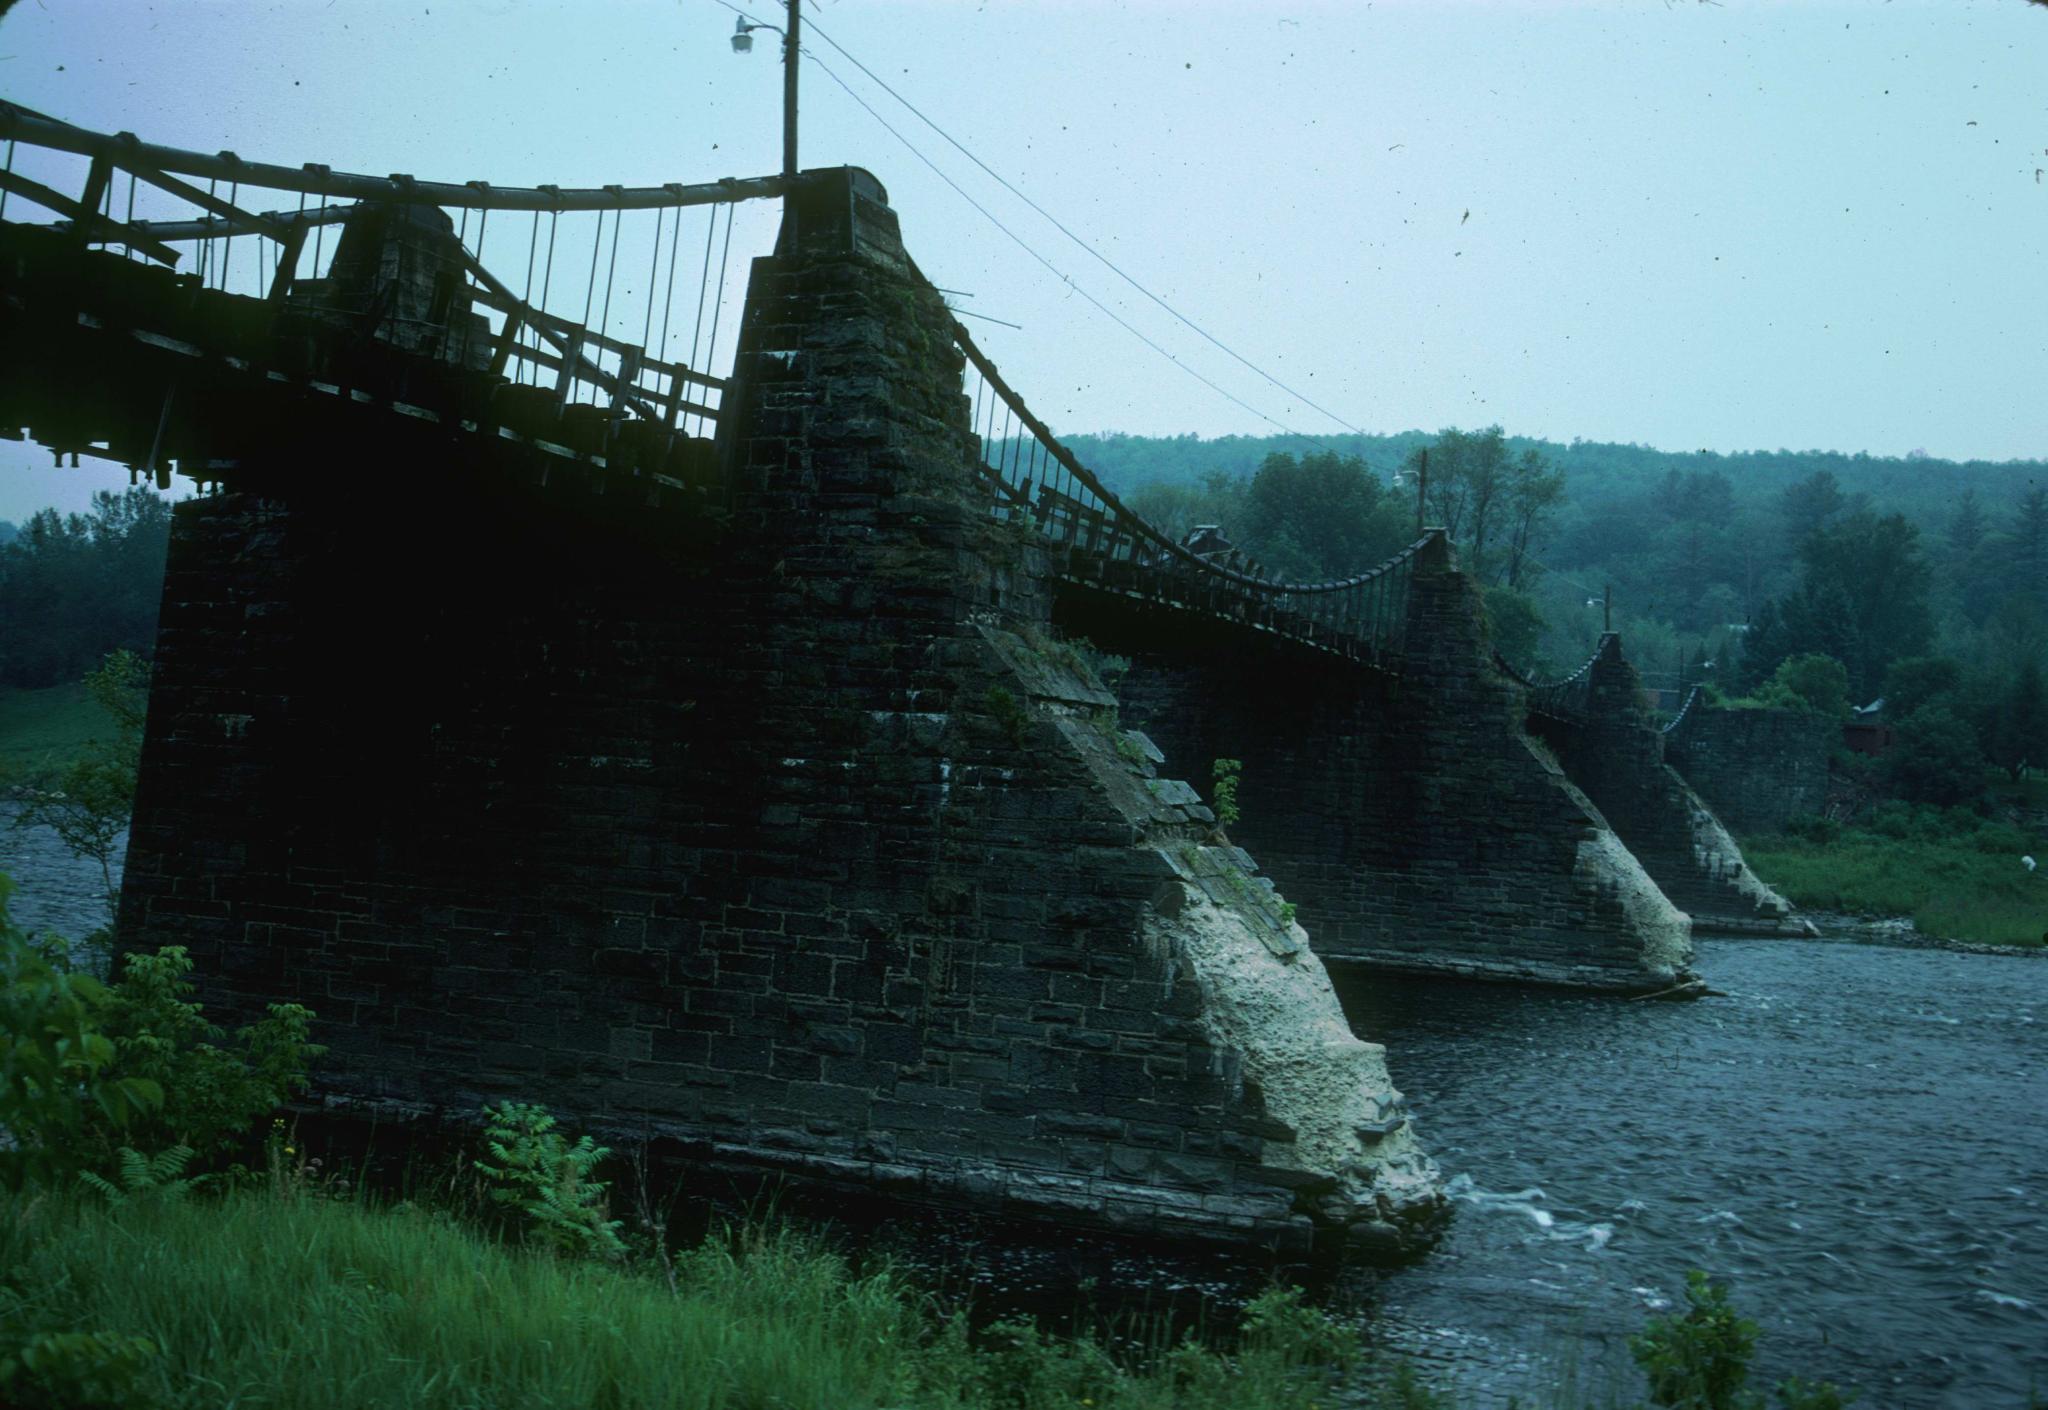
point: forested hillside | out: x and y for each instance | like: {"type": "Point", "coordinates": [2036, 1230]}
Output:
{"type": "Point", "coordinates": [1691, 542]}
{"type": "Point", "coordinates": [1920, 578]}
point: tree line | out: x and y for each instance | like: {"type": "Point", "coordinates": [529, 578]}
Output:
{"type": "Point", "coordinates": [74, 587]}
{"type": "Point", "coordinates": [1920, 582]}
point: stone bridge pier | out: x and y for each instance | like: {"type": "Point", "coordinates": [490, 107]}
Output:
{"type": "Point", "coordinates": [1615, 753]}
{"type": "Point", "coordinates": [1417, 824]}
{"type": "Point", "coordinates": [784, 833]}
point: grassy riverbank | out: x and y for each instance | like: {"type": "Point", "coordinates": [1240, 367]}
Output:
{"type": "Point", "coordinates": [1958, 876]}
{"type": "Point", "coordinates": [42, 731]}
{"type": "Point", "coordinates": [272, 1296]}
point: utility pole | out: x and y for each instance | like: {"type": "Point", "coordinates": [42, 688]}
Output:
{"type": "Point", "coordinates": [789, 56]}
{"type": "Point", "coordinates": [1421, 491]}
{"type": "Point", "coordinates": [792, 42]}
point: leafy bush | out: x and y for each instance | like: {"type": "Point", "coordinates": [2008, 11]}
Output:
{"type": "Point", "coordinates": [1914, 681]}
{"type": "Point", "coordinates": [1813, 683]}
{"type": "Point", "coordinates": [548, 1180]}
{"type": "Point", "coordinates": [211, 1094]}
{"type": "Point", "coordinates": [1009, 714]}
{"type": "Point", "coordinates": [75, 1371]}
{"type": "Point", "coordinates": [1698, 1361]}
{"type": "Point", "coordinates": [1937, 758]}
{"type": "Point", "coordinates": [1795, 1394]}
{"type": "Point", "coordinates": [88, 1069]}
{"type": "Point", "coordinates": [1225, 772]}
{"type": "Point", "coordinates": [1813, 828]}
{"type": "Point", "coordinates": [59, 1074]}
{"type": "Point", "coordinates": [1277, 1323]}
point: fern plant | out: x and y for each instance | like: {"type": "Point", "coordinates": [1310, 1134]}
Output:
{"type": "Point", "coordinates": [534, 1170]}
{"type": "Point", "coordinates": [159, 1177]}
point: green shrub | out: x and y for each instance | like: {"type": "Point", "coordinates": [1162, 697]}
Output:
{"type": "Point", "coordinates": [1795, 1394]}
{"type": "Point", "coordinates": [1813, 828]}
{"type": "Point", "coordinates": [549, 1181]}
{"type": "Point", "coordinates": [1018, 1368]}
{"type": "Point", "coordinates": [59, 1075]}
{"type": "Point", "coordinates": [1278, 1324]}
{"type": "Point", "coordinates": [76, 1371]}
{"type": "Point", "coordinates": [1009, 714]}
{"type": "Point", "coordinates": [1821, 682]}
{"type": "Point", "coordinates": [1700, 1360]}
{"type": "Point", "coordinates": [1225, 772]}
{"type": "Point", "coordinates": [211, 1094]}
{"type": "Point", "coordinates": [1937, 758]}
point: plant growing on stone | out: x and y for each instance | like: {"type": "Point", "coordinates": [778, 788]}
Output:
{"type": "Point", "coordinates": [1225, 773]}
{"type": "Point", "coordinates": [532, 1169]}
{"type": "Point", "coordinates": [1008, 713]}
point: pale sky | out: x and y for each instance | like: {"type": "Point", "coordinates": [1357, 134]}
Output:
{"type": "Point", "coordinates": [1752, 224]}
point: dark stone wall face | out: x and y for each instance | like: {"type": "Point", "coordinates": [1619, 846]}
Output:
{"type": "Point", "coordinates": [1413, 820]}
{"type": "Point", "coordinates": [1758, 769]}
{"type": "Point", "coordinates": [765, 847]}
{"type": "Point", "coordinates": [1617, 756]}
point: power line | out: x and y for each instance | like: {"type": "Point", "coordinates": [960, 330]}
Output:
{"type": "Point", "coordinates": [1066, 279]}
{"type": "Point", "coordinates": [1062, 228]}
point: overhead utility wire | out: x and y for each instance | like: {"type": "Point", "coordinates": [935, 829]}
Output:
{"type": "Point", "coordinates": [1108, 312]}
{"type": "Point", "coordinates": [1062, 228]}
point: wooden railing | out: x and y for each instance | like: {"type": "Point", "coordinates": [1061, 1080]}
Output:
{"type": "Point", "coordinates": [1099, 541]}
{"type": "Point", "coordinates": [1563, 699]}
{"type": "Point", "coordinates": [195, 224]}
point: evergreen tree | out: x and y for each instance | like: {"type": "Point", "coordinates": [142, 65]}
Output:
{"type": "Point", "coordinates": [2018, 733]}
{"type": "Point", "coordinates": [1966, 527]}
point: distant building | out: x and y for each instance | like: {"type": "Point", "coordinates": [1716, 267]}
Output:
{"type": "Point", "coordinates": [1865, 731]}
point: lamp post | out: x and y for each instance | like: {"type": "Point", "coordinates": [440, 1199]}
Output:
{"type": "Point", "coordinates": [743, 42]}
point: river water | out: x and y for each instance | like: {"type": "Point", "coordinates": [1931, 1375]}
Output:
{"type": "Point", "coordinates": [54, 892]}
{"type": "Point", "coordinates": [1856, 1136]}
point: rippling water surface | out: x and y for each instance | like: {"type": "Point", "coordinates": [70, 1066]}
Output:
{"type": "Point", "coordinates": [1856, 1136]}
{"type": "Point", "coordinates": [54, 891]}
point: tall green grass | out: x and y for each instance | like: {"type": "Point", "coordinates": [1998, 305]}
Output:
{"type": "Point", "coordinates": [1957, 876]}
{"type": "Point", "coordinates": [257, 1299]}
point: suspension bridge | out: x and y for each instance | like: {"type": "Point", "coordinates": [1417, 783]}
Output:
{"type": "Point", "coordinates": [405, 318]}
{"type": "Point", "coordinates": [726, 777]}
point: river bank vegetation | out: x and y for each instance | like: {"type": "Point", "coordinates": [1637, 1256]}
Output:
{"type": "Point", "coordinates": [1957, 875]}
{"type": "Point", "coordinates": [163, 1246]}
{"type": "Point", "coordinates": [44, 731]}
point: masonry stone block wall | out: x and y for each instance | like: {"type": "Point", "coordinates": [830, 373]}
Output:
{"type": "Point", "coordinates": [1616, 754]}
{"type": "Point", "coordinates": [1758, 769]}
{"type": "Point", "coordinates": [1413, 820]}
{"type": "Point", "coordinates": [788, 838]}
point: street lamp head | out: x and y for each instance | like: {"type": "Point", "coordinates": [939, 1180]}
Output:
{"type": "Point", "coordinates": [742, 37]}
